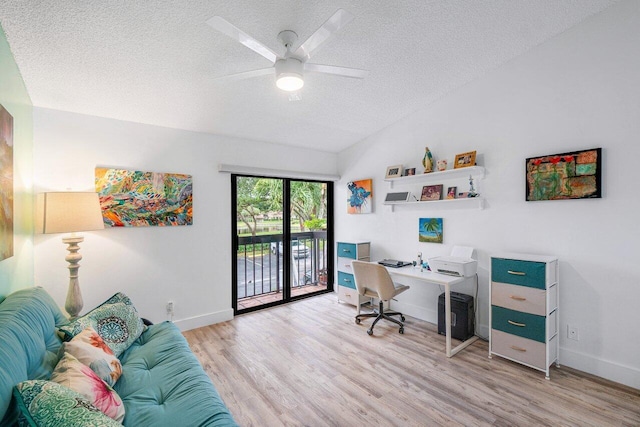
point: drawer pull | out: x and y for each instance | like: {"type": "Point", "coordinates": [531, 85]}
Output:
{"type": "Point", "coordinates": [347, 280]}
{"type": "Point", "coordinates": [516, 348]}
{"type": "Point", "coordinates": [347, 251]}
{"type": "Point", "coordinates": [517, 298]}
{"type": "Point", "coordinates": [511, 322]}
{"type": "Point", "coordinates": [516, 273]}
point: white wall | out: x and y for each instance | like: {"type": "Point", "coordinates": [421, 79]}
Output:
{"type": "Point", "coordinates": [16, 272]}
{"type": "Point", "coordinates": [577, 91]}
{"type": "Point", "coordinates": [190, 265]}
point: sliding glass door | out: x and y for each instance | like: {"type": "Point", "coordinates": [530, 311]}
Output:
{"type": "Point", "coordinates": [282, 240]}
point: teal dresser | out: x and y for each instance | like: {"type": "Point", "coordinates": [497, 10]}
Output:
{"type": "Point", "coordinates": [347, 252]}
{"type": "Point", "coordinates": [524, 309]}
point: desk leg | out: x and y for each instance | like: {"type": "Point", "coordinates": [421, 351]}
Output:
{"type": "Point", "coordinates": [447, 317]}
{"type": "Point", "coordinates": [447, 305]}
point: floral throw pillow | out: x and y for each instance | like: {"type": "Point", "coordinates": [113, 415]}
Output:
{"type": "Point", "coordinates": [116, 321]}
{"type": "Point", "coordinates": [45, 403]}
{"type": "Point", "coordinates": [71, 373]}
{"type": "Point", "coordinates": [89, 348]}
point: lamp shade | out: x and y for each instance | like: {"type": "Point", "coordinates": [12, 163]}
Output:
{"type": "Point", "coordinates": [68, 212]}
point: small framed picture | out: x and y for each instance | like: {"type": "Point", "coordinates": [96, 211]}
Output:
{"type": "Point", "coordinates": [409, 171]}
{"type": "Point", "coordinates": [465, 160]}
{"type": "Point", "coordinates": [451, 192]}
{"type": "Point", "coordinates": [394, 171]}
{"type": "Point", "coordinates": [463, 195]}
{"type": "Point", "coordinates": [431, 192]}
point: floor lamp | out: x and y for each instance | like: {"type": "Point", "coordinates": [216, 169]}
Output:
{"type": "Point", "coordinates": [69, 212]}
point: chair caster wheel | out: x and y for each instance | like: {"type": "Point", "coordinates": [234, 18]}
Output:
{"type": "Point", "coordinates": [401, 330]}
{"type": "Point", "coordinates": [357, 321]}
{"type": "Point", "coordinates": [369, 331]}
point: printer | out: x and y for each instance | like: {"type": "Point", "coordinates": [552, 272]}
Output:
{"type": "Point", "coordinates": [459, 263]}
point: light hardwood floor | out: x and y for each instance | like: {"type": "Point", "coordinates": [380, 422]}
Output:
{"type": "Point", "coordinates": [308, 364]}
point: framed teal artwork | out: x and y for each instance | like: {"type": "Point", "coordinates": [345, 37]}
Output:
{"type": "Point", "coordinates": [430, 230]}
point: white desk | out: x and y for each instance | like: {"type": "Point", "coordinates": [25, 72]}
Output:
{"type": "Point", "coordinates": [437, 279]}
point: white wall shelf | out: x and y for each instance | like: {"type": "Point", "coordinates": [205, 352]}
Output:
{"type": "Point", "coordinates": [475, 171]}
{"type": "Point", "coordinates": [462, 202]}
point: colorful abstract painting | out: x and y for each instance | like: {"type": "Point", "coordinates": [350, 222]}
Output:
{"type": "Point", "coordinates": [140, 199]}
{"type": "Point", "coordinates": [430, 230]}
{"type": "Point", "coordinates": [574, 175]}
{"type": "Point", "coordinates": [360, 197]}
{"type": "Point", "coordinates": [6, 184]}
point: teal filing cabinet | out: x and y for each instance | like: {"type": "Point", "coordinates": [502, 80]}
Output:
{"type": "Point", "coordinates": [524, 309]}
{"type": "Point", "coordinates": [347, 252]}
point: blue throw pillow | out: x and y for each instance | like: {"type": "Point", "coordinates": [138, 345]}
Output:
{"type": "Point", "coordinates": [116, 321]}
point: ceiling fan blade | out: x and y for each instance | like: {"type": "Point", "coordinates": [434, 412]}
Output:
{"type": "Point", "coordinates": [244, 75]}
{"type": "Point", "coordinates": [227, 28]}
{"type": "Point", "coordinates": [355, 73]}
{"type": "Point", "coordinates": [322, 34]}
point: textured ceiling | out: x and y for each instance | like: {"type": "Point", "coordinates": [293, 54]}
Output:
{"type": "Point", "coordinates": [154, 61]}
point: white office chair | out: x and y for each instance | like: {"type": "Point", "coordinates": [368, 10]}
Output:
{"type": "Point", "coordinates": [374, 281]}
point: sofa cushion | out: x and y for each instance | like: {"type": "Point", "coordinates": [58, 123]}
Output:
{"type": "Point", "coordinates": [116, 320]}
{"type": "Point", "coordinates": [71, 373]}
{"type": "Point", "coordinates": [163, 384]}
{"type": "Point", "coordinates": [29, 348]}
{"type": "Point", "coordinates": [89, 348]}
{"type": "Point", "coordinates": [45, 403]}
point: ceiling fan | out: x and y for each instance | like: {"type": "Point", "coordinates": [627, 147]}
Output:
{"type": "Point", "coordinates": [289, 69]}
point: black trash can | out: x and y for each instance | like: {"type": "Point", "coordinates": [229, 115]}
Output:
{"type": "Point", "coordinates": [462, 318]}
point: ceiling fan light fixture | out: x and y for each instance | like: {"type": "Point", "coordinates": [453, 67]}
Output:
{"type": "Point", "coordinates": [289, 74]}
{"type": "Point", "coordinates": [289, 82]}
{"type": "Point", "coordinates": [290, 68]}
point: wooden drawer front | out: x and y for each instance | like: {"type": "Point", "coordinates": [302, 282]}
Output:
{"type": "Point", "coordinates": [520, 298]}
{"type": "Point", "coordinates": [344, 264]}
{"type": "Point", "coordinates": [348, 295]}
{"type": "Point", "coordinates": [363, 252]}
{"type": "Point", "coordinates": [346, 279]}
{"type": "Point", "coordinates": [347, 250]}
{"type": "Point", "coordinates": [518, 348]}
{"type": "Point", "coordinates": [518, 323]}
{"type": "Point", "coordinates": [523, 273]}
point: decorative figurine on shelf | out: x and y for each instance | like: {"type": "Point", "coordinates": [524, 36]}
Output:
{"type": "Point", "coordinates": [427, 160]}
{"type": "Point", "coordinates": [472, 191]}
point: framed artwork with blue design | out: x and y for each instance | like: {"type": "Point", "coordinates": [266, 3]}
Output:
{"type": "Point", "coordinates": [430, 230]}
{"type": "Point", "coordinates": [360, 199]}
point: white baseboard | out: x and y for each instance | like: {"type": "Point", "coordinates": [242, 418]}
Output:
{"type": "Point", "coordinates": [603, 368]}
{"type": "Point", "coordinates": [482, 331]}
{"type": "Point", "coordinates": [204, 320]}
{"type": "Point", "coordinates": [417, 311]}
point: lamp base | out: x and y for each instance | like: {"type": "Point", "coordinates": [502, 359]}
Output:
{"type": "Point", "coordinates": [74, 302]}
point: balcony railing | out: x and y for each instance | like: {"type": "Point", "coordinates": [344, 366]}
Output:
{"type": "Point", "coordinates": [260, 263]}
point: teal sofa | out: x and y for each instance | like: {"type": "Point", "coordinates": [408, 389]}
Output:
{"type": "Point", "coordinates": [162, 382]}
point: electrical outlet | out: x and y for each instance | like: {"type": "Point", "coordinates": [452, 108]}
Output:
{"type": "Point", "coordinates": [572, 333]}
{"type": "Point", "coordinates": [170, 307]}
